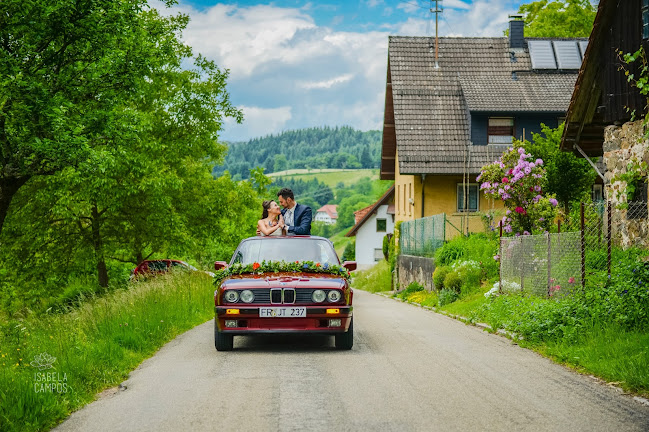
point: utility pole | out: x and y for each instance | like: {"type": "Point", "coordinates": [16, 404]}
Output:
{"type": "Point", "coordinates": [436, 11]}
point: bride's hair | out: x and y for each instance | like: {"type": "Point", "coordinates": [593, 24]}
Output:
{"type": "Point", "coordinates": [266, 205]}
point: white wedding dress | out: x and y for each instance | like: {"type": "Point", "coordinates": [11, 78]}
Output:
{"type": "Point", "coordinates": [277, 232]}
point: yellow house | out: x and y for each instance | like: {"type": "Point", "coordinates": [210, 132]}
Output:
{"type": "Point", "coordinates": [445, 118]}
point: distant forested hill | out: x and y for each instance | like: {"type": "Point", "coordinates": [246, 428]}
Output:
{"type": "Point", "coordinates": [339, 147]}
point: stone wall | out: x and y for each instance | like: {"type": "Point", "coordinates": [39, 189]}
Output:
{"type": "Point", "coordinates": [415, 269]}
{"type": "Point", "coordinates": [622, 145]}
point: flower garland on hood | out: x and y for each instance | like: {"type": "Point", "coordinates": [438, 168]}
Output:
{"type": "Point", "coordinates": [281, 266]}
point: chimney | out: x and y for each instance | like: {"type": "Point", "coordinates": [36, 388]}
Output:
{"type": "Point", "coordinates": [516, 31]}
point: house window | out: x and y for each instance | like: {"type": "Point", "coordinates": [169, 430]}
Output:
{"type": "Point", "coordinates": [645, 19]}
{"type": "Point", "coordinates": [471, 204]}
{"type": "Point", "coordinates": [381, 225]}
{"type": "Point", "coordinates": [598, 193]}
{"type": "Point", "coordinates": [378, 254]}
{"type": "Point", "coordinates": [638, 204]}
{"type": "Point", "coordinates": [500, 130]}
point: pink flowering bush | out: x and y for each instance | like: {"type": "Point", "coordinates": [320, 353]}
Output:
{"type": "Point", "coordinates": [517, 181]}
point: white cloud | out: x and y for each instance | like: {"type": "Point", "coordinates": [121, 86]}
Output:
{"type": "Point", "coordinates": [258, 122]}
{"type": "Point", "coordinates": [409, 7]}
{"type": "Point", "coordinates": [326, 83]}
{"type": "Point", "coordinates": [287, 72]}
{"type": "Point", "coordinates": [456, 4]}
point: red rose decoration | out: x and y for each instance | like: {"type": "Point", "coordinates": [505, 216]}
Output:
{"type": "Point", "coordinates": [317, 264]}
{"type": "Point", "coordinates": [255, 266]}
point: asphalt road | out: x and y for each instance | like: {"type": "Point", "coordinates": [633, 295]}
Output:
{"type": "Point", "coordinates": [410, 370]}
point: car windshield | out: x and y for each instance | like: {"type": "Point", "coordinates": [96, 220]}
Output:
{"type": "Point", "coordinates": [285, 249]}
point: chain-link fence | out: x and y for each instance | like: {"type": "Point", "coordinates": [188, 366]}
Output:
{"type": "Point", "coordinates": [546, 264]}
{"type": "Point", "coordinates": [422, 237]}
{"type": "Point", "coordinates": [580, 252]}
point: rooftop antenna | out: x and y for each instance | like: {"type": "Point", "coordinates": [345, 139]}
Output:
{"type": "Point", "coordinates": [438, 10]}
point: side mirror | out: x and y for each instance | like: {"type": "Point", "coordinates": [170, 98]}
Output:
{"type": "Point", "coordinates": [219, 265]}
{"type": "Point", "coordinates": [350, 265]}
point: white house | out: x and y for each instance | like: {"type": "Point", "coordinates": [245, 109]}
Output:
{"type": "Point", "coordinates": [327, 214]}
{"type": "Point", "coordinates": [372, 224]}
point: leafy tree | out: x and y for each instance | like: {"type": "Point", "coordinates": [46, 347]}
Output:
{"type": "Point", "coordinates": [66, 69]}
{"type": "Point", "coordinates": [366, 158]}
{"type": "Point", "coordinates": [568, 177]}
{"type": "Point", "coordinates": [346, 210]}
{"type": "Point", "coordinates": [349, 254]}
{"type": "Point", "coordinates": [559, 18]}
{"type": "Point", "coordinates": [281, 164]}
{"type": "Point", "coordinates": [145, 148]}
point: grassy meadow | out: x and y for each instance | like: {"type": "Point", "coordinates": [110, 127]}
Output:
{"type": "Point", "coordinates": [330, 177]}
{"type": "Point", "coordinates": [92, 347]}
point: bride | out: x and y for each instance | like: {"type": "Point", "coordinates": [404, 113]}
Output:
{"type": "Point", "coordinates": [272, 221]}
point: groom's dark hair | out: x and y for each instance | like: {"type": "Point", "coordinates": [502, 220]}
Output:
{"type": "Point", "coordinates": [286, 193]}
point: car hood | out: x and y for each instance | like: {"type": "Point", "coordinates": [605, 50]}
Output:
{"type": "Point", "coordinates": [283, 280]}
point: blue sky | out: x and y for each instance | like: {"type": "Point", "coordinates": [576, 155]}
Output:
{"type": "Point", "coordinates": [296, 63]}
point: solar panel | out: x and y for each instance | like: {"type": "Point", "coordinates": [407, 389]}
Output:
{"type": "Point", "coordinates": [541, 54]}
{"type": "Point", "coordinates": [567, 54]}
{"type": "Point", "coordinates": [582, 47]}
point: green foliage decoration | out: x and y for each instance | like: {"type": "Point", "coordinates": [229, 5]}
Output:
{"type": "Point", "coordinates": [273, 267]}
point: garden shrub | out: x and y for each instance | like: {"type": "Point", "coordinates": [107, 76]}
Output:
{"type": "Point", "coordinates": [453, 281]}
{"type": "Point", "coordinates": [413, 287]}
{"type": "Point", "coordinates": [470, 273]}
{"type": "Point", "coordinates": [450, 252]}
{"type": "Point", "coordinates": [446, 296]}
{"type": "Point", "coordinates": [438, 276]}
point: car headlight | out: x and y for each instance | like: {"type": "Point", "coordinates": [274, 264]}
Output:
{"type": "Point", "coordinates": [247, 296]}
{"type": "Point", "coordinates": [231, 296]}
{"type": "Point", "coordinates": [318, 296]}
{"type": "Point", "coordinates": [334, 296]}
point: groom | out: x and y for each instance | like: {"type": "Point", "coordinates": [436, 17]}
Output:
{"type": "Point", "coordinates": [297, 217]}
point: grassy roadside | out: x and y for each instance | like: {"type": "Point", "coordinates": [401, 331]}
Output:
{"type": "Point", "coordinates": [94, 346]}
{"type": "Point", "coordinates": [586, 333]}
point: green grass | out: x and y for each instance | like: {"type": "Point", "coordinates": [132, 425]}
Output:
{"type": "Point", "coordinates": [95, 345]}
{"type": "Point", "coordinates": [610, 352]}
{"type": "Point", "coordinates": [466, 305]}
{"type": "Point", "coordinates": [340, 241]}
{"type": "Point", "coordinates": [375, 279]}
{"type": "Point", "coordinates": [330, 177]}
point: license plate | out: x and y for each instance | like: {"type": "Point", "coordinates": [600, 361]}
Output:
{"type": "Point", "coordinates": [282, 312]}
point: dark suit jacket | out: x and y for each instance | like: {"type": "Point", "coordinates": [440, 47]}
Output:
{"type": "Point", "coordinates": [301, 220]}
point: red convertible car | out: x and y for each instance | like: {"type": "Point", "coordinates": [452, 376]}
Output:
{"type": "Point", "coordinates": [291, 284]}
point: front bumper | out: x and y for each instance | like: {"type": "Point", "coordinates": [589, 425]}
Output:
{"type": "Point", "coordinates": [316, 321]}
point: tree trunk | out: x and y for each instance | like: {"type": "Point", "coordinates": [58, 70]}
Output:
{"type": "Point", "coordinates": [8, 189]}
{"type": "Point", "coordinates": [98, 244]}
